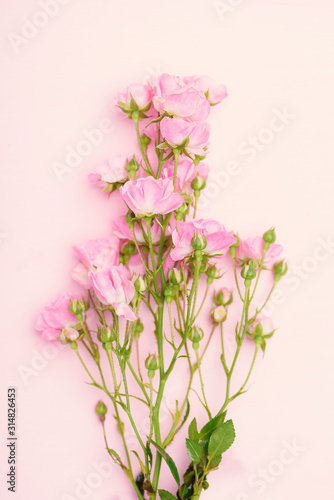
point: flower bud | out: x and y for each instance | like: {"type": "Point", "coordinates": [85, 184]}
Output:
{"type": "Point", "coordinates": [218, 314]}
{"type": "Point", "coordinates": [132, 167]}
{"type": "Point", "coordinates": [202, 268]}
{"type": "Point", "coordinates": [140, 284]}
{"type": "Point", "coordinates": [78, 306]}
{"type": "Point", "coordinates": [260, 329]}
{"type": "Point", "coordinates": [69, 335]}
{"type": "Point", "coordinates": [138, 329]}
{"type": "Point", "coordinates": [106, 334]}
{"type": "Point", "coordinates": [213, 273]}
{"type": "Point", "coordinates": [129, 219]}
{"type": "Point", "coordinates": [152, 363]}
{"type": "Point", "coordinates": [175, 276]}
{"type": "Point", "coordinates": [101, 410]}
{"type": "Point", "coordinates": [269, 237]}
{"type": "Point", "coordinates": [280, 269]}
{"type": "Point", "coordinates": [224, 297]}
{"type": "Point", "coordinates": [169, 293]}
{"type": "Point", "coordinates": [129, 248]}
{"type": "Point", "coordinates": [145, 141]}
{"type": "Point", "coordinates": [248, 271]}
{"type": "Point", "coordinates": [198, 183]}
{"type": "Point", "coordinates": [198, 242]}
{"type": "Point", "coordinates": [196, 334]}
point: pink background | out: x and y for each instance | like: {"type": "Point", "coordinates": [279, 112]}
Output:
{"type": "Point", "coordinates": [273, 56]}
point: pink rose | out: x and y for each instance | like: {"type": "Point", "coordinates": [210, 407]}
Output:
{"type": "Point", "coordinates": [57, 317]}
{"type": "Point", "coordinates": [252, 248]}
{"type": "Point", "coordinates": [213, 92]}
{"type": "Point", "coordinates": [193, 137]}
{"type": "Point", "coordinates": [185, 174]}
{"type": "Point", "coordinates": [110, 172]}
{"type": "Point", "coordinates": [114, 287]}
{"type": "Point", "coordinates": [148, 196]}
{"type": "Point", "coordinates": [218, 240]}
{"type": "Point", "coordinates": [123, 232]}
{"type": "Point", "coordinates": [136, 98]}
{"type": "Point", "coordinates": [175, 97]}
{"type": "Point", "coordinates": [100, 254]}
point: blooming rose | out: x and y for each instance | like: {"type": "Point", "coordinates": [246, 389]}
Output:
{"type": "Point", "coordinates": [252, 248]}
{"type": "Point", "coordinates": [193, 137]}
{"type": "Point", "coordinates": [110, 172]}
{"type": "Point", "coordinates": [175, 97]}
{"type": "Point", "coordinates": [213, 92]}
{"type": "Point", "coordinates": [149, 196]}
{"type": "Point", "coordinates": [123, 232]}
{"type": "Point", "coordinates": [114, 287]}
{"type": "Point", "coordinates": [136, 98]}
{"type": "Point", "coordinates": [185, 174]}
{"type": "Point", "coordinates": [218, 240]}
{"type": "Point", "coordinates": [57, 317]}
{"type": "Point", "coordinates": [98, 254]}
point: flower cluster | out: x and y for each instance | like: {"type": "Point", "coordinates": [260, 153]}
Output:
{"type": "Point", "coordinates": [156, 257]}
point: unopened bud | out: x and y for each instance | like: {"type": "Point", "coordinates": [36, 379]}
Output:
{"type": "Point", "coordinates": [101, 410]}
{"type": "Point", "coordinates": [196, 334]}
{"type": "Point", "coordinates": [219, 314]}
{"type": "Point", "coordinates": [198, 242]}
{"type": "Point", "coordinates": [248, 271]}
{"type": "Point", "coordinates": [152, 363]}
{"type": "Point", "coordinates": [106, 334]}
{"type": "Point", "coordinates": [138, 329]}
{"type": "Point", "coordinates": [175, 276]}
{"type": "Point", "coordinates": [198, 183]}
{"type": "Point", "coordinates": [78, 306]}
{"type": "Point", "coordinates": [224, 297]}
{"type": "Point", "coordinates": [132, 167]}
{"type": "Point", "coordinates": [280, 269]}
{"type": "Point", "coordinates": [234, 247]}
{"type": "Point", "coordinates": [269, 237]}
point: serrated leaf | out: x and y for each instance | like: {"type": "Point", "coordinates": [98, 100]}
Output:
{"type": "Point", "coordinates": [221, 439]}
{"type": "Point", "coordinates": [165, 495]}
{"type": "Point", "coordinates": [195, 451]}
{"type": "Point", "coordinates": [169, 461]}
{"type": "Point", "coordinates": [212, 425]}
{"type": "Point", "coordinates": [192, 430]}
{"type": "Point", "coordinates": [215, 462]}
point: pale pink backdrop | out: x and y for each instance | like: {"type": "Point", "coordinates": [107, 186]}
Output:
{"type": "Point", "coordinates": [58, 80]}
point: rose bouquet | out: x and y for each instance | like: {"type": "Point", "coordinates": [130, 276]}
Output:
{"type": "Point", "coordinates": [152, 279]}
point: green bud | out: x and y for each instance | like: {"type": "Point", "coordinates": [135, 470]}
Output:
{"type": "Point", "coordinates": [78, 306]}
{"type": "Point", "coordinates": [203, 265]}
{"type": "Point", "coordinates": [181, 211]}
{"type": "Point", "coordinates": [145, 140]}
{"type": "Point", "coordinates": [101, 410]}
{"type": "Point", "coordinates": [129, 248]}
{"type": "Point", "coordinates": [138, 328]}
{"type": "Point", "coordinates": [152, 362]}
{"type": "Point", "coordinates": [198, 242]}
{"type": "Point", "coordinates": [132, 167]}
{"type": "Point", "coordinates": [270, 236]}
{"type": "Point", "coordinates": [107, 334]}
{"type": "Point", "coordinates": [280, 268]}
{"type": "Point", "coordinates": [175, 276]}
{"type": "Point", "coordinates": [196, 334]}
{"type": "Point", "coordinates": [140, 284]}
{"type": "Point", "coordinates": [198, 183]}
{"type": "Point", "coordinates": [248, 271]}
{"type": "Point", "coordinates": [129, 219]}
{"type": "Point", "coordinates": [205, 485]}
{"type": "Point", "coordinates": [224, 297]}
{"type": "Point", "coordinates": [234, 246]}
{"type": "Point", "coordinates": [213, 272]}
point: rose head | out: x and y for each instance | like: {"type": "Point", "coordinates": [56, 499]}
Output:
{"type": "Point", "coordinates": [136, 98]}
{"type": "Point", "coordinates": [175, 97]}
{"type": "Point", "coordinates": [148, 196]}
{"type": "Point", "coordinates": [218, 240]}
{"type": "Point", "coordinates": [191, 137]}
{"type": "Point", "coordinates": [98, 254]}
{"type": "Point", "coordinates": [252, 249]}
{"type": "Point", "coordinates": [114, 287]}
{"type": "Point", "coordinates": [110, 173]}
{"type": "Point", "coordinates": [185, 174]}
{"type": "Point", "coordinates": [57, 317]}
{"type": "Point", "coordinates": [213, 92]}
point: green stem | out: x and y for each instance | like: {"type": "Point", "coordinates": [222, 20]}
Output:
{"type": "Point", "coordinates": [141, 146]}
{"type": "Point", "coordinates": [202, 386]}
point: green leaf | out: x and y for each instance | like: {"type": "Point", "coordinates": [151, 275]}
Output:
{"type": "Point", "coordinates": [114, 456]}
{"type": "Point", "coordinates": [165, 495]}
{"type": "Point", "coordinates": [192, 431]}
{"type": "Point", "coordinates": [195, 451]}
{"type": "Point", "coordinates": [169, 461]}
{"type": "Point", "coordinates": [215, 462]}
{"type": "Point", "coordinates": [221, 439]}
{"type": "Point", "coordinates": [149, 455]}
{"type": "Point", "coordinates": [142, 466]}
{"type": "Point", "coordinates": [212, 425]}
